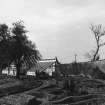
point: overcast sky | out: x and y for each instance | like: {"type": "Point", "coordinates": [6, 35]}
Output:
{"type": "Point", "coordinates": [58, 27]}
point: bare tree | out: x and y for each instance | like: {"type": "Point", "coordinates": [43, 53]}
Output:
{"type": "Point", "coordinates": [98, 32]}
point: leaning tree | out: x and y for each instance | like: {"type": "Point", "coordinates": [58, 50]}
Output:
{"type": "Point", "coordinates": [17, 48]}
{"type": "Point", "coordinates": [98, 32]}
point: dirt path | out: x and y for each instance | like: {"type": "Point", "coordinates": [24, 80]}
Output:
{"type": "Point", "coordinates": [44, 84]}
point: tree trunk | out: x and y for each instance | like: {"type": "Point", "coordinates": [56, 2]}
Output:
{"type": "Point", "coordinates": [18, 70]}
{"type": "Point", "coordinates": [94, 57]}
{"type": "Point", "coordinates": [0, 70]}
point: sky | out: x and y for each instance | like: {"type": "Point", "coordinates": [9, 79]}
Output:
{"type": "Point", "coordinates": [58, 27]}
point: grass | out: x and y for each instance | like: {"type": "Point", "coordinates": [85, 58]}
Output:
{"type": "Point", "coordinates": [59, 95]}
{"type": "Point", "coordinates": [57, 92]}
{"type": "Point", "coordinates": [34, 102]}
{"type": "Point", "coordinates": [12, 93]}
{"type": "Point", "coordinates": [37, 94]}
{"type": "Point", "coordinates": [73, 99]}
{"type": "Point", "coordinates": [5, 81]}
{"type": "Point", "coordinates": [18, 87]}
{"type": "Point", "coordinates": [17, 99]}
{"type": "Point", "coordinates": [50, 87]}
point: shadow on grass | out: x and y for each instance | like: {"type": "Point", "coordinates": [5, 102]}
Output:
{"type": "Point", "coordinates": [34, 102]}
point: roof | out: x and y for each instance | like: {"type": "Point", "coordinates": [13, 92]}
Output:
{"type": "Point", "coordinates": [43, 65]}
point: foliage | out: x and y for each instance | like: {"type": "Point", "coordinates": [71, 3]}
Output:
{"type": "Point", "coordinates": [16, 47]}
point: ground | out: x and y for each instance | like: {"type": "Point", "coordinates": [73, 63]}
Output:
{"type": "Point", "coordinates": [40, 92]}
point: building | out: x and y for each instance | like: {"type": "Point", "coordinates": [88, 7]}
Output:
{"type": "Point", "coordinates": [10, 70]}
{"type": "Point", "coordinates": [46, 65]}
